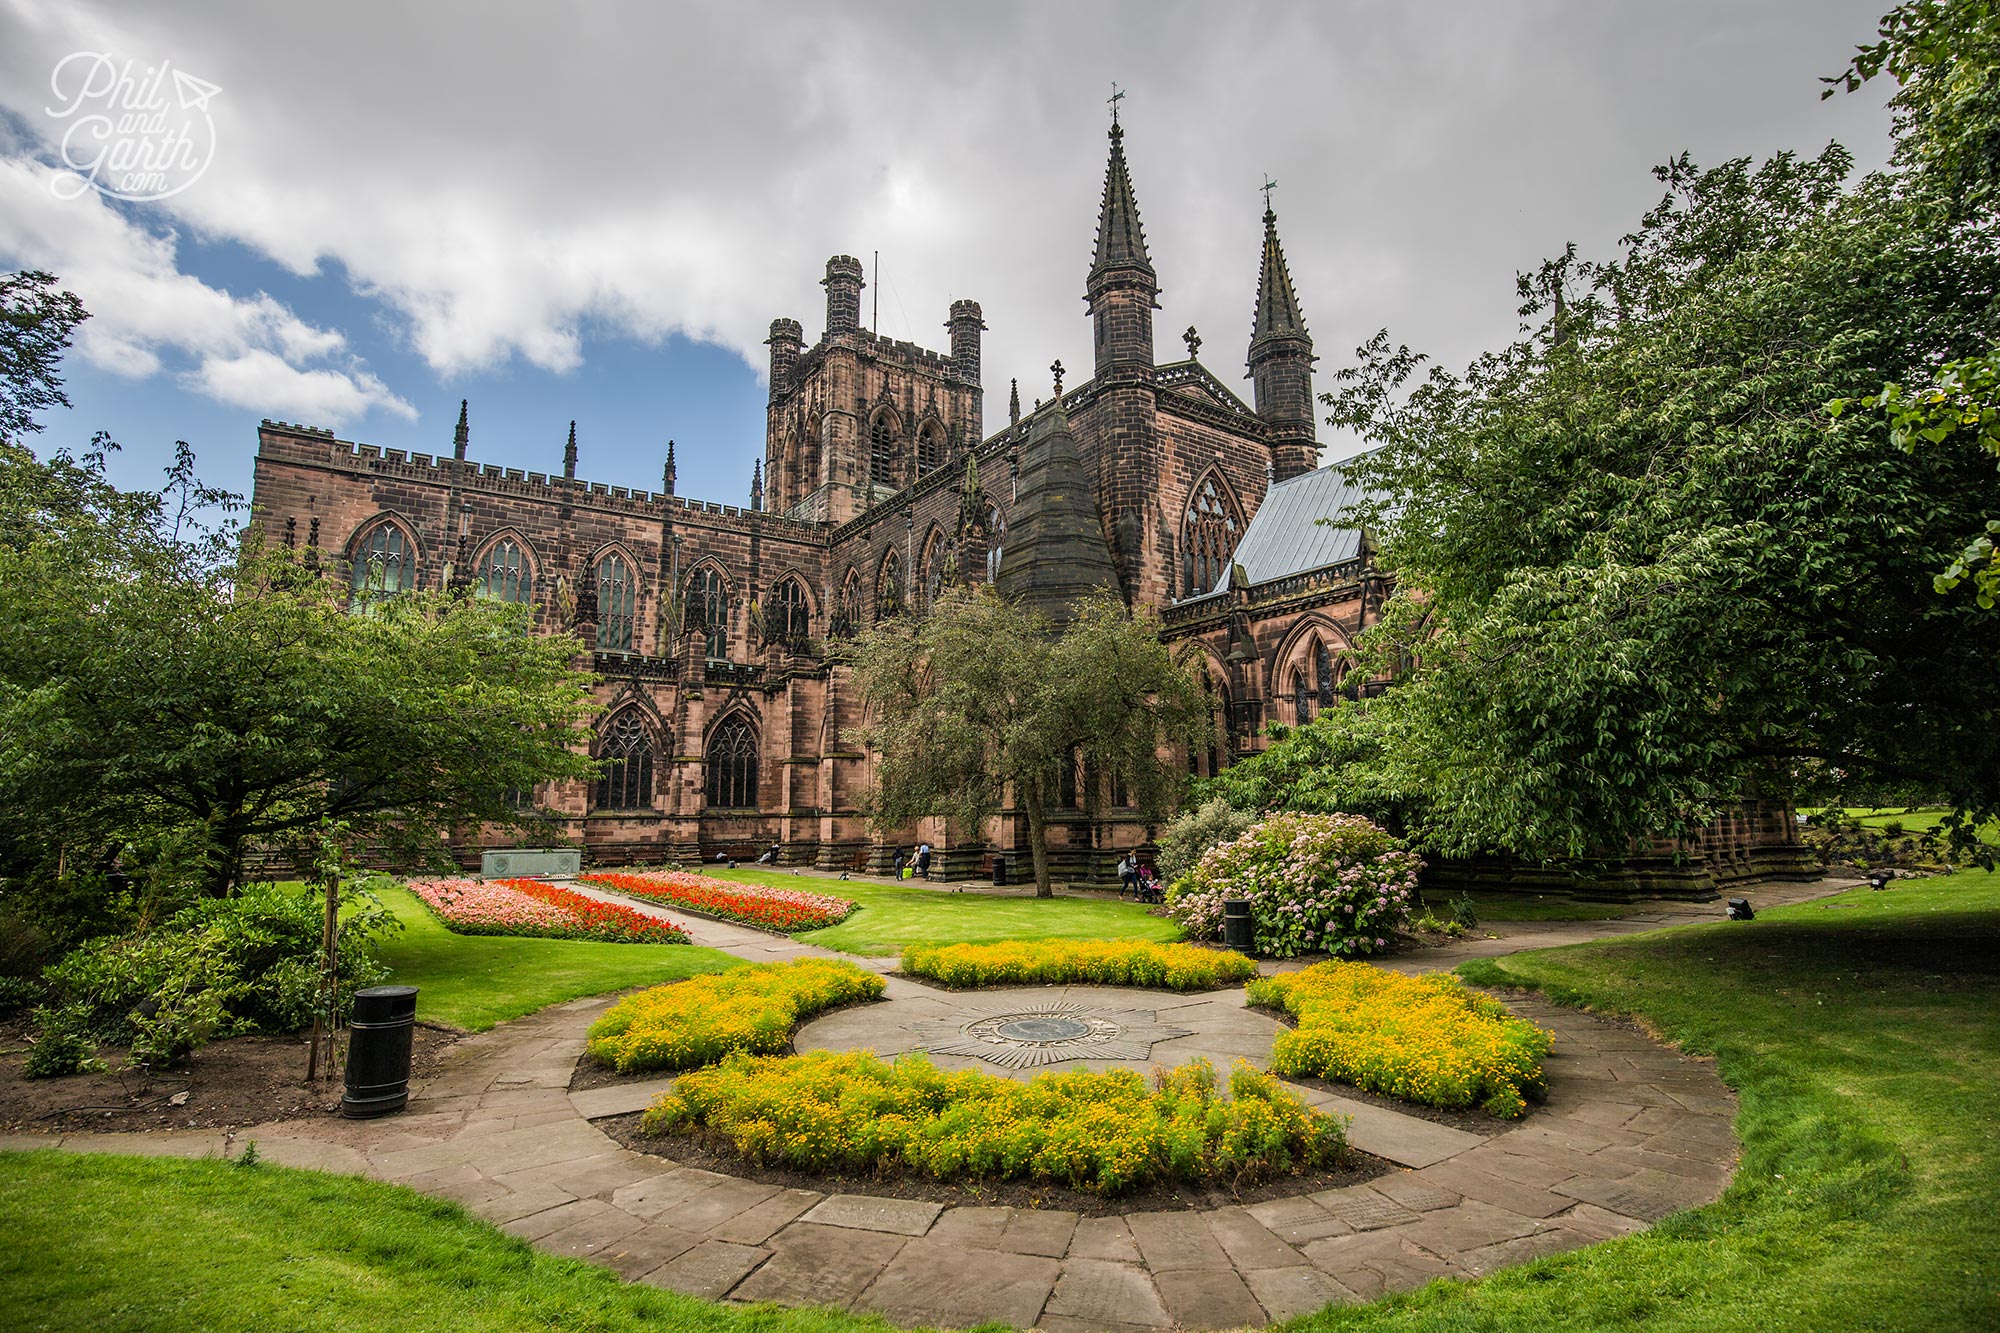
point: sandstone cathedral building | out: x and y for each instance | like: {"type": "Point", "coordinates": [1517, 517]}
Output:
{"type": "Point", "coordinates": [724, 727]}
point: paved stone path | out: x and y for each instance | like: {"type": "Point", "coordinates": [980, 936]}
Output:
{"type": "Point", "coordinates": [1630, 1133]}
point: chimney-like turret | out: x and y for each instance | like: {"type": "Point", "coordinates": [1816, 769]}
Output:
{"type": "Point", "coordinates": [843, 294]}
{"type": "Point", "coordinates": [965, 325]}
{"type": "Point", "coordinates": [786, 342]}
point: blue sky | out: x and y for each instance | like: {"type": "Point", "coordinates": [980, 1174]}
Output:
{"type": "Point", "coordinates": [406, 205]}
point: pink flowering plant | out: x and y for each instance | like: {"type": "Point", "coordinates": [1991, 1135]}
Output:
{"type": "Point", "coordinates": [1333, 883]}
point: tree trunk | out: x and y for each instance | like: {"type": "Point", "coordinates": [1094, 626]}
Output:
{"type": "Point", "coordinates": [1038, 839]}
{"type": "Point", "coordinates": [326, 1011]}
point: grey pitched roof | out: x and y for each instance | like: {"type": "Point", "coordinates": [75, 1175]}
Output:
{"type": "Point", "coordinates": [1285, 537]}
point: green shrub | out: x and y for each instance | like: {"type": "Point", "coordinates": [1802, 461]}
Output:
{"type": "Point", "coordinates": [1192, 832]}
{"type": "Point", "coordinates": [695, 1022]}
{"type": "Point", "coordinates": [1181, 967]}
{"type": "Point", "coordinates": [220, 966]}
{"type": "Point", "coordinates": [1110, 1132]}
{"type": "Point", "coordinates": [62, 1044]}
{"type": "Point", "coordinates": [1314, 882]}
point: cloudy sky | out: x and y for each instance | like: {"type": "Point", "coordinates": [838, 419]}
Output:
{"type": "Point", "coordinates": [594, 212]}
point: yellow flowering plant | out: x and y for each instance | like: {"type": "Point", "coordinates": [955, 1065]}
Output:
{"type": "Point", "coordinates": [1148, 963]}
{"type": "Point", "coordinates": [696, 1022]}
{"type": "Point", "coordinates": [1109, 1132]}
{"type": "Point", "coordinates": [1424, 1038]}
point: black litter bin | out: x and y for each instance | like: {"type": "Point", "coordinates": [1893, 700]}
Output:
{"type": "Point", "coordinates": [378, 1051]}
{"type": "Point", "coordinates": [1237, 931]}
{"type": "Point", "coordinates": [999, 872]}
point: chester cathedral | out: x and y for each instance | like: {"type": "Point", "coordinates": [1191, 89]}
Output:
{"type": "Point", "coordinates": [724, 727]}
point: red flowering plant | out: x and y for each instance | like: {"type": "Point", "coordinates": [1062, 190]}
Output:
{"type": "Point", "coordinates": [530, 907]}
{"type": "Point", "coordinates": [767, 908]}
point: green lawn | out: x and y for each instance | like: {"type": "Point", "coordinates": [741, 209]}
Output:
{"type": "Point", "coordinates": [1863, 1034]}
{"type": "Point", "coordinates": [475, 981]}
{"type": "Point", "coordinates": [1535, 907]}
{"type": "Point", "coordinates": [103, 1244]}
{"type": "Point", "coordinates": [892, 916]}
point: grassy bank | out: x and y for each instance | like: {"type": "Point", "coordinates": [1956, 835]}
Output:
{"type": "Point", "coordinates": [109, 1244]}
{"type": "Point", "coordinates": [1863, 1034]}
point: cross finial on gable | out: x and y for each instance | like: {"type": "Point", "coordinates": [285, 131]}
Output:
{"type": "Point", "coordinates": [1193, 341]}
{"type": "Point", "coordinates": [1056, 369]}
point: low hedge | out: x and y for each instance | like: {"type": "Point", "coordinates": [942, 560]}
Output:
{"type": "Point", "coordinates": [1424, 1039]}
{"type": "Point", "coordinates": [695, 1022]}
{"type": "Point", "coordinates": [1183, 967]}
{"type": "Point", "coordinates": [1109, 1132]}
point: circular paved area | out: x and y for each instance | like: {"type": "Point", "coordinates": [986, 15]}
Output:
{"type": "Point", "coordinates": [1630, 1132]}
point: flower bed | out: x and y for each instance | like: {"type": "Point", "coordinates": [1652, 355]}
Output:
{"type": "Point", "coordinates": [1336, 883]}
{"type": "Point", "coordinates": [782, 910]}
{"type": "Point", "coordinates": [1183, 967]}
{"type": "Point", "coordinates": [698, 1021]}
{"type": "Point", "coordinates": [1425, 1039]}
{"type": "Point", "coordinates": [529, 907]}
{"type": "Point", "coordinates": [1109, 1132]}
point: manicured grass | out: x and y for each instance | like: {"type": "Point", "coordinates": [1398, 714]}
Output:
{"type": "Point", "coordinates": [475, 981]}
{"type": "Point", "coordinates": [1535, 907]}
{"type": "Point", "coordinates": [893, 917]}
{"type": "Point", "coordinates": [1863, 1033]}
{"type": "Point", "coordinates": [102, 1244]}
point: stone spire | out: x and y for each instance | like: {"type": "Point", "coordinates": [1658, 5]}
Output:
{"type": "Point", "coordinates": [463, 435]}
{"type": "Point", "coordinates": [1280, 364]}
{"type": "Point", "coordinates": [569, 455]}
{"type": "Point", "coordinates": [671, 473]}
{"type": "Point", "coordinates": [757, 484]}
{"type": "Point", "coordinates": [1122, 287]}
{"type": "Point", "coordinates": [1014, 404]}
{"type": "Point", "coordinates": [1055, 553]}
{"type": "Point", "coordinates": [1121, 240]}
{"type": "Point", "coordinates": [1278, 314]}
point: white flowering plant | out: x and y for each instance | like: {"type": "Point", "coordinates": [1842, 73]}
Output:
{"type": "Point", "coordinates": [1338, 884]}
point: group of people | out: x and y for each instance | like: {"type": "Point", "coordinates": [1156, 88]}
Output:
{"type": "Point", "coordinates": [919, 864]}
{"type": "Point", "coordinates": [1139, 879]}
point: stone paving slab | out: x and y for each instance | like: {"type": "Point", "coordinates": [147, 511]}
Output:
{"type": "Point", "coordinates": [617, 1098]}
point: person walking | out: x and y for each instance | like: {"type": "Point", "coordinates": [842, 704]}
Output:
{"type": "Point", "coordinates": [924, 861]}
{"type": "Point", "coordinates": [1128, 875]}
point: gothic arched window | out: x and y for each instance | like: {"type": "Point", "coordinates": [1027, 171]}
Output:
{"type": "Point", "coordinates": [790, 614]}
{"type": "Point", "coordinates": [732, 766]}
{"type": "Point", "coordinates": [1323, 674]}
{"type": "Point", "coordinates": [889, 588]}
{"type": "Point", "coordinates": [996, 533]}
{"type": "Point", "coordinates": [382, 568]}
{"type": "Point", "coordinates": [930, 448]}
{"type": "Point", "coordinates": [1215, 751]}
{"type": "Point", "coordinates": [708, 608]}
{"type": "Point", "coordinates": [627, 752]}
{"type": "Point", "coordinates": [847, 615]}
{"type": "Point", "coordinates": [882, 451]}
{"type": "Point", "coordinates": [940, 563]}
{"type": "Point", "coordinates": [617, 601]}
{"type": "Point", "coordinates": [1208, 536]}
{"type": "Point", "coordinates": [505, 574]}
{"type": "Point", "coordinates": [1302, 697]}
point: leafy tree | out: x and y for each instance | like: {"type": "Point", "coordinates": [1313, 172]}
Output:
{"type": "Point", "coordinates": [162, 683]}
{"type": "Point", "coordinates": [1644, 571]}
{"type": "Point", "coordinates": [37, 320]}
{"type": "Point", "coordinates": [982, 697]}
{"type": "Point", "coordinates": [1330, 765]}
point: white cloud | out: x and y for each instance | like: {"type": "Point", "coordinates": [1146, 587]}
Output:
{"type": "Point", "coordinates": [246, 351]}
{"type": "Point", "coordinates": [500, 183]}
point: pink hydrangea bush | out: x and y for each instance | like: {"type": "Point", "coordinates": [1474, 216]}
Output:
{"type": "Point", "coordinates": [1338, 884]}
